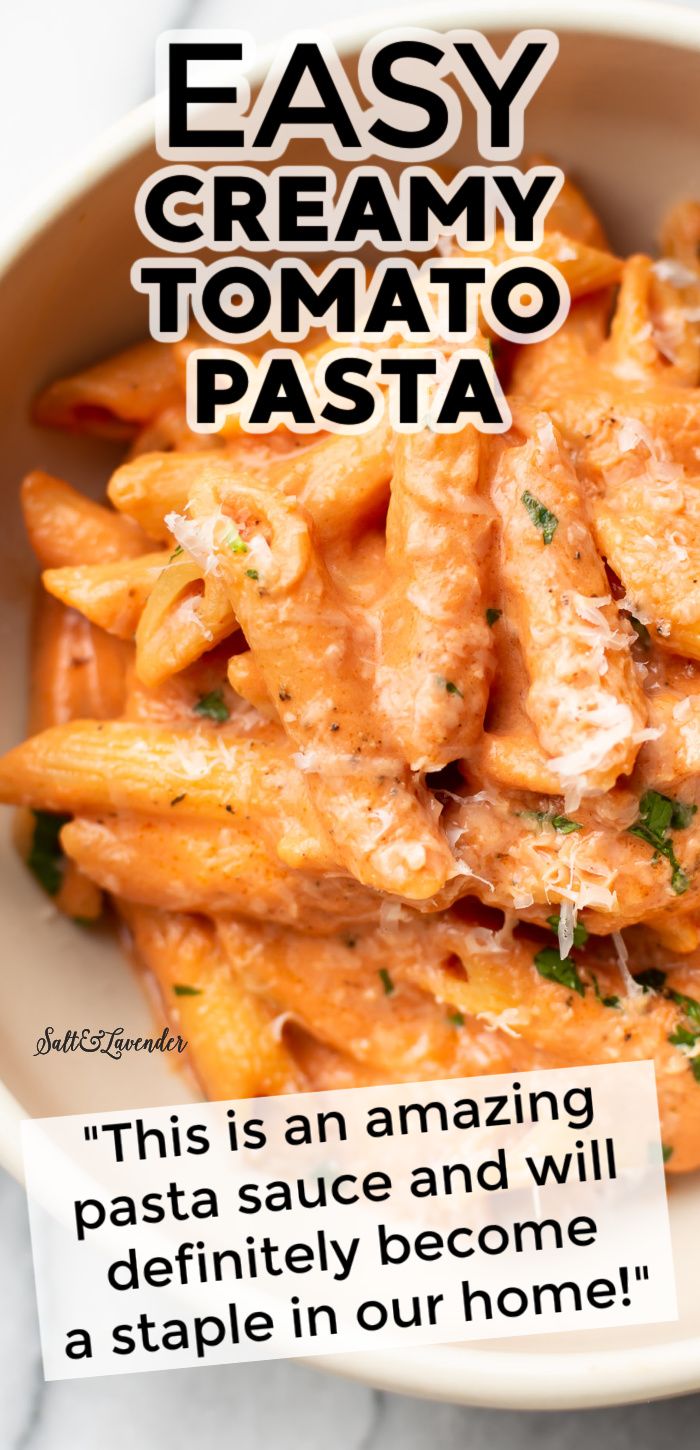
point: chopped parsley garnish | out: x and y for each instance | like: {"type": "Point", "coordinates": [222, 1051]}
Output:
{"type": "Point", "coordinates": [689, 1005]}
{"type": "Point", "coordinates": [641, 631]}
{"type": "Point", "coordinates": [653, 980]}
{"type": "Point", "coordinates": [580, 931]}
{"type": "Point", "coordinates": [175, 554]}
{"type": "Point", "coordinates": [563, 824]}
{"type": "Point", "coordinates": [252, 574]}
{"type": "Point", "coordinates": [550, 965]}
{"type": "Point", "coordinates": [493, 616]}
{"type": "Point", "coordinates": [177, 798]}
{"type": "Point", "coordinates": [666, 1152]}
{"type": "Point", "coordinates": [236, 544]}
{"type": "Point", "coordinates": [541, 516]}
{"type": "Point", "coordinates": [213, 706]}
{"type": "Point", "coordinates": [46, 859]}
{"type": "Point", "coordinates": [456, 1018]}
{"type": "Point", "coordinates": [680, 881]}
{"type": "Point", "coordinates": [655, 815]}
{"type": "Point", "coordinates": [658, 815]}
{"type": "Point", "coordinates": [684, 1036]}
{"type": "Point", "coordinates": [683, 812]}
{"type": "Point", "coordinates": [448, 685]}
{"type": "Point", "coordinates": [386, 981]}
{"type": "Point", "coordinates": [181, 989]}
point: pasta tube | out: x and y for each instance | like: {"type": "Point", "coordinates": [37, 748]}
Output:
{"type": "Point", "coordinates": [66, 528]}
{"type": "Point", "coordinates": [232, 1042]}
{"type": "Point", "coordinates": [437, 655]}
{"type": "Point", "coordinates": [294, 622]}
{"type": "Point", "coordinates": [584, 698]}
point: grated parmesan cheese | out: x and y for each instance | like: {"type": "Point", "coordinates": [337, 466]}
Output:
{"type": "Point", "coordinates": [565, 933]}
{"type": "Point", "coordinates": [505, 1021]}
{"type": "Point", "coordinates": [198, 537]}
{"type": "Point", "coordinates": [632, 988]}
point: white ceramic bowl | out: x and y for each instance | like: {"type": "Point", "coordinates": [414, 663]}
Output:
{"type": "Point", "coordinates": [622, 110]}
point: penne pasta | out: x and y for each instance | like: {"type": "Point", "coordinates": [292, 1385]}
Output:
{"type": "Point", "coordinates": [344, 483]}
{"type": "Point", "coordinates": [436, 661]}
{"type": "Point", "coordinates": [246, 678]}
{"type": "Point", "coordinates": [185, 615]}
{"type": "Point", "coordinates": [528, 857]}
{"type": "Point", "coordinates": [236, 1050]}
{"type": "Point", "coordinates": [112, 398]}
{"type": "Point", "coordinates": [191, 865]}
{"type": "Point", "coordinates": [77, 670]}
{"type": "Point", "coordinates": [288, 609]}
{"type": "Point", "coordinates": [87, 767]}
{"type": "Point", "coordinates": [342, 992]}
{"type": "Point", "coordinates": [66, 529]}
{"type": "Point", "coordinates": [584, 698]}
{"type": "Point", "coordinates": [112, 596]}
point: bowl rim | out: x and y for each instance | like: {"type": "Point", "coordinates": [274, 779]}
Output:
{"type": "Point", "coordinates": [484, 1376]}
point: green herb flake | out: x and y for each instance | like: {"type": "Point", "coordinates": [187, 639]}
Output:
{"type": "Point", "coordinates": [658, 815]}
{"type": "Point", "coordinates": [695, 1068]}
{"type": "Point", "coordinates": [653, 980]}
{"type": "Point", "coordinates": [252, 574]}
{"type": "Point", "coordinates": [386, 981]}
{"type": "Point", "coordinates": [580, 931]}
{"type": "Point", "coordinates": [666, 1152]}
{"type": "Point", "coordinates": [182, 989]}
{"type": "Point", "coordinates": [175, 554]}
{"type": "Point", "coordinates": [448, 685]}
{"type": "Point", "coordinates": [236, 544]}
{"type": "Point", "coordinates": [655, 815]}
{"type": "Point", "coordinates": [456, 1018]}
{"type": "Point", "coordinates": [493, 616]}
{"type": "Point", "coordinates": [563, 824]}
{"type": "Point", "coordinates": [680, 880]}
{"type": "Point", "coordinates": [551, 966]}
{"type": "Point", "coordinates": [177, 798]}
{"type": "Point", "coordinates": [683, 813]}
{"type": "Point", "coordinates": [641, 631]}
{"type": "Point", "coordinates": [46, 859]}
{"type": "Point", "coordinates": [683, 1037]}
{"type": "Point", "coordinates": [689, 1005]}
{"type": "Point", "coordinates": [541, 516]}
{"type": "Point", "coordinates": [213, 706]}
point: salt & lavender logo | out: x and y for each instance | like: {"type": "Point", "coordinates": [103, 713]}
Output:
{"type": "Point", "coordinates": [109, 1041]}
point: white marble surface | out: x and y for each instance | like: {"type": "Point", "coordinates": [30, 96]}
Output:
{"type": "Point", "coordinates": [88, 61]}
